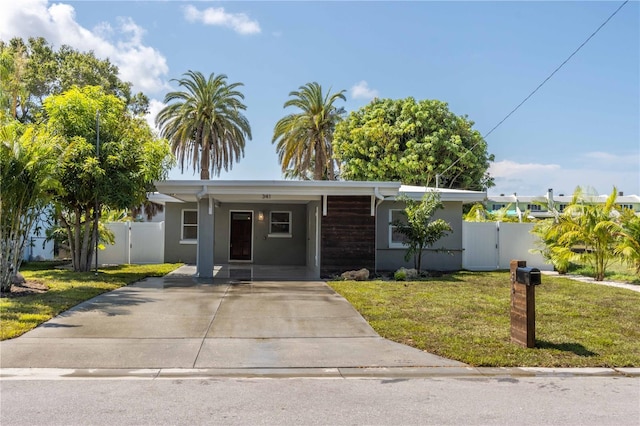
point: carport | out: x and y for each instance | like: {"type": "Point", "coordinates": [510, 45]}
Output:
{"type": "Point", "coordinates": [323, 226]}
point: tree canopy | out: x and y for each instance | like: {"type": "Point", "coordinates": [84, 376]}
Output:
{"type": "Point", "coordinates": [304, 138]}
{"type": "Point", "coordinates": [412, 142]}
{"type": "Point", "coordinates": [130, 158]}
{"type": "Point", "coordinates": [204, 122]}
{"type": "Point", "coordinates": [31, 71]}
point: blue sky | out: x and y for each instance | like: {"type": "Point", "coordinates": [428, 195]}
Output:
{"type": "Point", "coordinates": [482, 58]}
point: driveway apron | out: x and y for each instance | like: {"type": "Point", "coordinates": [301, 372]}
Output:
{"type": "Point", "coordinates": [178, 322]}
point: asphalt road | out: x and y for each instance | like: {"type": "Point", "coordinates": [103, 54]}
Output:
{"type": "Point", "coordinates": [301, 401]}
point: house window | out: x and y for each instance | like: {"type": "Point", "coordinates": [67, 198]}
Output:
{"type": "Point", "coordinates": [280, 224]}
{"type": "Point", "coordinates": [498, 206]}
{"type": "Point", "coordinates": [534, 207]}
{"type": "Point", "coordinates": [189, 234]}
{"type": "Point", "coordinates": [396, 239]}
{"type": "Point", "coordinates": [561, 207]}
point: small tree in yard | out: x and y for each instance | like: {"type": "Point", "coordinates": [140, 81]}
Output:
{"type": "Point", "coordinates": [130, 159]}
{"type": "Point", "coordinates": [27, 160]}
{"type": "Point", "coordinates": [585, 232]}
{"type": "Point", "coordinates": [419, 230]}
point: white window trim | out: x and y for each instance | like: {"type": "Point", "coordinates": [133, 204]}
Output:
{"type": "Point", "coordinates": [393, 244]}
{"type": "Point", "coordinates": [280, 234]}
{"type": "Point", "coordinates": [182, 225]}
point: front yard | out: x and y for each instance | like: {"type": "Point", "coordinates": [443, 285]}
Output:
{"type": "Point", "coordinates": [465, 316]}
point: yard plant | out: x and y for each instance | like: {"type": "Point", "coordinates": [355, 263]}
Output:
{"type": "Point", "coordinates": [65, 290]}
{"type": "Point", "coordinates": [466, 316]}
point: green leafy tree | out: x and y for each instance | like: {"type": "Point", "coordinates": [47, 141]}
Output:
{"type": "Point", "coordinates": [36, 71]}
{"type": "Point", "coordinates": [304, 139]}
{"type": "Point", "coordinates": [27, 162]}
{"type": "Point", "coordinates": [130, 159]}
{"type": "Point", "coordinates": [479, 213]}
{"type": "Point", "coordinates": [629, 244]}
{"type": "Point", "coordinates": [204, 123]}
{"type": "Point", "coordinates": [412, 142]}
{"type": "Point", "coordinates": [419, 230]}
{"type": "Point", "coordinates": [586, 232]}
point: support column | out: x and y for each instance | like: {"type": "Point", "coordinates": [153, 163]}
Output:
{"type": "Point", "coordinates": [205, 239]}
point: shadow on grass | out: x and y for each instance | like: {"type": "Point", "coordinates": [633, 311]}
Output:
{"type": "Point", "coordinates": [576, 348]}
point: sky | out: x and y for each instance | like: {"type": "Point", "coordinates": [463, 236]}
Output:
{"type": "Point", "coordinates": [582, 128]}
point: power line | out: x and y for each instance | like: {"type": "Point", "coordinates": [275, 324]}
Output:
{"type": "Point", "coordinates": [557, 69]}
{"type": "Point", "coordinates": [537, 88]}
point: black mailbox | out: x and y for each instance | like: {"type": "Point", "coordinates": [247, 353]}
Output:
{"type": "Point", "coordinates": [528, 276]}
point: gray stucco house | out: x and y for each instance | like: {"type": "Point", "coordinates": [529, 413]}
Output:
{"type": "Point", "coordinates": [326, 226]}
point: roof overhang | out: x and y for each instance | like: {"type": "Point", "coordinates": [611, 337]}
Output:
{"type": "Point", "coordinates": [272, 190]}
{"type": "Point", "coordinates": [446, 194]}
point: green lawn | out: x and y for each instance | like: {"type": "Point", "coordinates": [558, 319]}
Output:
{"type": "Point", "coordinates": [465, 316]}
{"type": "Point", "coordinates": [66, 289]}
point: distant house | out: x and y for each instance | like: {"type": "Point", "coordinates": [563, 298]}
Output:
{"type": "Point", "coordinates": [326, 226]}
{"type": "Point", "coordinates": [538, 206]}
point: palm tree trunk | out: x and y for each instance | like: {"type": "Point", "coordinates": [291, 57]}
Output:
{"type": "Point", "coordinates": [205, 155]}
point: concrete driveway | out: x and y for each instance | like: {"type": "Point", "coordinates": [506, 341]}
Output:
{"type": "Point", "coordinates": [178, 322]}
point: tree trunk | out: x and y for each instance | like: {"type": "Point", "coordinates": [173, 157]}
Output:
{"type": "Point", "coordinates": [319, 160]}
{"type": "Point", "coordinates": [205, 159]}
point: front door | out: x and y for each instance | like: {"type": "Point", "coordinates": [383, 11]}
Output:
{"type": "Point", "coordinates": [240, 238]}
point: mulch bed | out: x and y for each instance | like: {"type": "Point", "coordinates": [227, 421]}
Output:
{"type": "Point", "coordinates": [26, 289]}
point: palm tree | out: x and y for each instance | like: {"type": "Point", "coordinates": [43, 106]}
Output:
{"type": "Point", "coordinates": [304, 138]}
{"type": "Point", "coordinates": [204, 124]}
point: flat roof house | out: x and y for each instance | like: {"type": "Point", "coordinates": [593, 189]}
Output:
{"type": "Point", "coordinates": [326, 226]}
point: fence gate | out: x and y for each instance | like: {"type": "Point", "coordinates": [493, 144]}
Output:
{"type": "Point", "coordinates": [492, 245]}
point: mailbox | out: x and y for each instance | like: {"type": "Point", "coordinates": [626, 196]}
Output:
{"type": "Point", "coordinates": [528, 276]}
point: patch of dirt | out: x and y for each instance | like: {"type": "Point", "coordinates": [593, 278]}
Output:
{"type": "Point", "coordinates": [26, 289]}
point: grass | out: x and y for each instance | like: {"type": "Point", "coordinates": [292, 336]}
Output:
{"type": "Point", "coordinates": [66, 289]}
{"type": "Point", "coordinates": [465, 316]}
{"type": "Point", "coordinates": [616, 271]}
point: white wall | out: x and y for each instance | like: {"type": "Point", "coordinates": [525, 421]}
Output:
{"type": "Point", "coordinates": [492, 245]}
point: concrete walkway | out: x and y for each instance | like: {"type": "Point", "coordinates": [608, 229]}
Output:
{"type": "Point", "coordinates": [177, 322]}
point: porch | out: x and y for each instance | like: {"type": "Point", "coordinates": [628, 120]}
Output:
{"type": "Point", "coordinates": [252, 272]}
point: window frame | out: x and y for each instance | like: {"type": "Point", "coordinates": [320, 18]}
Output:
{"type": "Point", "coordinates": [272, 234]}
{"type": "Point", "coordinates": [394, 244]}
{"type": "Point", "coordinates": [184, 240]}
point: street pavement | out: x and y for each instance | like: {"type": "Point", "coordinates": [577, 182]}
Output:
{"type": "Point", "coordinates": [177, 350]}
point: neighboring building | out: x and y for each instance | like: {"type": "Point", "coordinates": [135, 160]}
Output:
{"type": "Point", "coordinates": [326, 226]}
{"type": "Point", "coordinates": [538, 206]}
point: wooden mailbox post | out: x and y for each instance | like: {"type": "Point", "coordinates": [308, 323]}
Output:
{"type": "Point", "coordinates": [523, 303]}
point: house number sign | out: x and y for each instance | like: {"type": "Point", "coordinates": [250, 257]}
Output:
{"type": "Point", "coordinates": [266, 196]}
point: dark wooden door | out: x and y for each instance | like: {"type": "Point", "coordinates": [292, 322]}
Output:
{"type": "Point", "coordinates": [240, 239]}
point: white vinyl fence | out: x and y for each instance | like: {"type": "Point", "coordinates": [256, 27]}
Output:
{"type": "Point", "coordinates": [136, 243]}
{"type": "Point", "coordinates": [487, 245]}
{"type": "Point", "coordinates": [492, 245]}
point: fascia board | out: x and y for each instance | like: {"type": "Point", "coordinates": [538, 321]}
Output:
{"type": "Point", "coordinates": [293, 188]}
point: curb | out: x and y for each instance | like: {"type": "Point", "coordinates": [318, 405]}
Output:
{"type": "Point", "coordinates": [23, 374]}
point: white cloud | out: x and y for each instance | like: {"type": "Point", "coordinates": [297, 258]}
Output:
{"type": "Point", "coordinates": [535, 178]}
{"type": "Point", "coordinates": [238, 22]}
{"type": "Point", "coordinates": [142, 65]}
{"type": "Point", "coordinates": [506, 168]}
{"type": "Point", "coordinates": [154, 108]}
{"type": "Point", "coordinates": [361, 90]}
{"type": "Point", "coordinates": [632, 159]}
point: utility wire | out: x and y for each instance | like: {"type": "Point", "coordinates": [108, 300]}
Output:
{"type": "Point", "coordinates": [540, 85]}
{"type": "Point", "coordinates": [557, 69]}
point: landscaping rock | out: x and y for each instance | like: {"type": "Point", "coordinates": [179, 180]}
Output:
{"type": "Point", "coordinates": [406, 274]}
{"type": "Point", "coordinates": [359, 275]}
{"type": "Point", "coordinates": [18, 279]}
